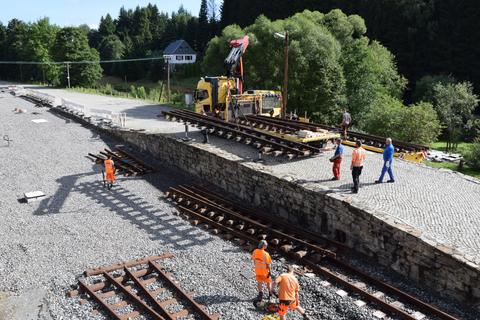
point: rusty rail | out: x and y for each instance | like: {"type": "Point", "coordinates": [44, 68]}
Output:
{"type": "Point", "coordinates": [369, 139]}
{"type": "Point", "coordinates": [131, 290]}
{"type": "Point", "coordinates": [128, 164]}
{"type": "Point", "coordinates": [205, 207]}
{"type": "Point", "coordinates": [265, 142]}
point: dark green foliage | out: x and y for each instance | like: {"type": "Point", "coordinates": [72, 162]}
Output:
{"type": "Point", "coordinates": [473, 156]}
{"type": "Point", "coordinates": [333, 64]}
{"type": "Point", "coordinates": [417, 123]}
{"type": "Point", "coordinates": [455, 103]}
{"type": "Point", "coordinates": [106, 27]}
{"type": "Point", "coordinates": [71, 44]}
{"type": "Point", "coordinates": [426, 36]}
{"type": "Point", "coordinates": [140, 33]}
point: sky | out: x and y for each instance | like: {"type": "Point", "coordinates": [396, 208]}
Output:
{"type": "Point", "coordinates": [76, 12]}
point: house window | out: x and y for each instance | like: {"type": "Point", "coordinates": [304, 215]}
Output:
{"type": "Point", "coordinates": [179, 58]}
{"type": "Point", "coordinates": [188, 57]}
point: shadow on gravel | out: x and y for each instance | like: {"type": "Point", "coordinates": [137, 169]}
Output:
{"type": "Point", "coordinates": [161, 226]}
{"type": "Point", "coordinates": [218, 298]}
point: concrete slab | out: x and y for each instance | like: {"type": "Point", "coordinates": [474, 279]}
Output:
{"type": "Point", "coordinates": [27, 305]}
{"type": "Point", "coordinates": [33, 196]}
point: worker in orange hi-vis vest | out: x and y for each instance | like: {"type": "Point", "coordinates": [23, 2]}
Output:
{"type": "Point", "coordinates": [358, 158]}
{"type": "Point", "coordinates": [288, 288]}
{"type": "Point", "coordinates": [262, 261]}
{"type": "Point", "coordinates": [109, 172]}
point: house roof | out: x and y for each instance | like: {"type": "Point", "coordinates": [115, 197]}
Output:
{"type": "Point", "coordinates": [179, 47]}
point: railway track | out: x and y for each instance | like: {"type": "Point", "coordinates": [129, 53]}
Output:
{"type": "Point", "coordinates": [140, 288]}
{"type": "Point", "coordinates": [247, 226]}
{"type": "Point", "coordinates": [125, 162]}
{"type": "Point", "coordinates": [368, 139]}
{"type": "Point", "coordinates": [264, 142]}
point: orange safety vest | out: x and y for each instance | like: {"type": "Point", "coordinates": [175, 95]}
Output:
{"type": "Point", "coordinates": [358, 157]}
{"type": "Point", "coordinates": [288, 287]}
{"type": "Point", "coordinates": [262, 260]}
{"type": "Point", "coordinates": [108, 165]}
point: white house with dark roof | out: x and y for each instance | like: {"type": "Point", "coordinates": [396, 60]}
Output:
{"type": "Point", "coordinates": [179, 52]}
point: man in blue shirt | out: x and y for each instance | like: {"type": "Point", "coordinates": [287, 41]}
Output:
{"type": "Point", "coordinates": [337, 159]}
{"type": "Point", "coordinates": [387, 161]}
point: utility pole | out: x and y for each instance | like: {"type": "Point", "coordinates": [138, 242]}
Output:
{"type": "Point", "coordinates": [68, 74]}
{"type": "Point", "coordinates": [284, 36]}
{"type": "Point", "coordinates": [285, 79]}
{"type": "Point", "coordinates": [168, 79]}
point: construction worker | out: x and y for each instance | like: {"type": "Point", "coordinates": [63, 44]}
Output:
{"type": "Point", "coordinates": [288, 294]}
{"type": "Point", "coordinates": [337, 159]}
{"type": "Point", "coordinates": [358, 158]}
{"type": "Point", "coordinates": [109, 171]}
{"type": "Point", "coordinates": [346, 121]}
{"type": "Point", "coordinates": [262, 261]}
{"type": "Point", "coordinates": [387, 161]}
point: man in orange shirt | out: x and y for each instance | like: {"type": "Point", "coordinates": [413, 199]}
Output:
{"type": "Point", "coordinates": [262, 261]}
{"type": "Point", "coordinates": [358, 158]}
{"type": "Point", "coordinates": [109, 171]}
{"type": "Point", "coordinates": [288, 294]}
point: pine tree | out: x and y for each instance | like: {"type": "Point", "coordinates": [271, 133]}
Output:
{"type": "Point", "coordinates": [106, 27]}
{"type": "Point", "coordinates": [203, 35]}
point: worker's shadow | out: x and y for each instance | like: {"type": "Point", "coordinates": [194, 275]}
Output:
{"type": "Point", "coordinates": [160, 225]}
{"type": "Point", "coordinates": [304, 181]}
{"type": "Point", "coordinates": [349, 186]}
{"type": "Point", "coordinates": [218, 299]}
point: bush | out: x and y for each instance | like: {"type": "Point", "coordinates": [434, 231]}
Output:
{"type": "Point", "coordinates": [141, 93]}
{"type": "Point", "coordinates": [473, 156]}
{"type": "Point", "coordinates": [417, 123]}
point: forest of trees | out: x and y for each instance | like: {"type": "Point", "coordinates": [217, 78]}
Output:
{"type": "Point", "coordinates": [140, 33]}
{"type": "Point", "coordinates": [407, 67]}
{"type": "Point", "coordinates": [426, 36]}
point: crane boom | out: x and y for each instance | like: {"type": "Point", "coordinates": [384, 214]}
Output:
{"type": "Point", "coordinates": [234, 61]}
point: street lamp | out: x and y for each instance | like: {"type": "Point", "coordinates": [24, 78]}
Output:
{"type": "Point", "coordinates": [284, 36]}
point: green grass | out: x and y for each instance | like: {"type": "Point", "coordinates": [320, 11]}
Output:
{"type": "Point", "coordinates": [453, 166]}
{"type": "Point", "coordinates": [463, 147]}
{"type": "Point", "coordinates": [155, 92]}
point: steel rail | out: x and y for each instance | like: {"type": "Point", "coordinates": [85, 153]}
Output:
{"type": "Point", "coordinates": [249, 129]}
{"type": "Point", "coordinates": [99, 300]}
{"type": "Point", "coordinates": [265, 217]}
{"type": "Point", "coordinates": [139, 302]}
{"type": "Point", "coordinates": [252, 130]}
{"type": "Point", "coordinates": [378, 139]}
{"type": "Point", "coordinates": [274, 233]}
{"type": "Point", "coordinates": [321, 270]}
{"type": "Point", "coordinates": [134, 158]}
{"type": "Point", "coordinates": [261, 137]}
{"type": "Point", "coordinates": [145, 291]}
{"type": "Point", "coordinates": [405, 297]}
{"type": "Point", "coordinates": [184, 295]}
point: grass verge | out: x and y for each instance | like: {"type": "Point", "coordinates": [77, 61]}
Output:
{"type": "Point", "coordinates": [453, 166]}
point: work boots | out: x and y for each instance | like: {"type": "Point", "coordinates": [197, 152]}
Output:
{"type": "Point", "coordinates": [258, 299]}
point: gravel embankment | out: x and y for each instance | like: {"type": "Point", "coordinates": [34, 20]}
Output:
{"type": "Point", "coordinates": [46, 245]}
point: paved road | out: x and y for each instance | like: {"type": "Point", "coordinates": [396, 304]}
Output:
{"type": "Point", "coordinates": [443, 204]}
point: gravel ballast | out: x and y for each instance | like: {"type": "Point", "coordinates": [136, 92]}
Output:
{"type": "Point", "coordinates": [46, 245]}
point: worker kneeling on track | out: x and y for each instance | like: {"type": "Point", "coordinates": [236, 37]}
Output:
{"type": "Point", "coordinates": [109, 172]}
{"type": "Point", "coordinates": [288, 288]}
{"type": "Point", "coordinates": [262, 261]}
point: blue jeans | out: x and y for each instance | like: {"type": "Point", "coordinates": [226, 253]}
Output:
{"type": "Point", "coordinates": [386, 169]}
